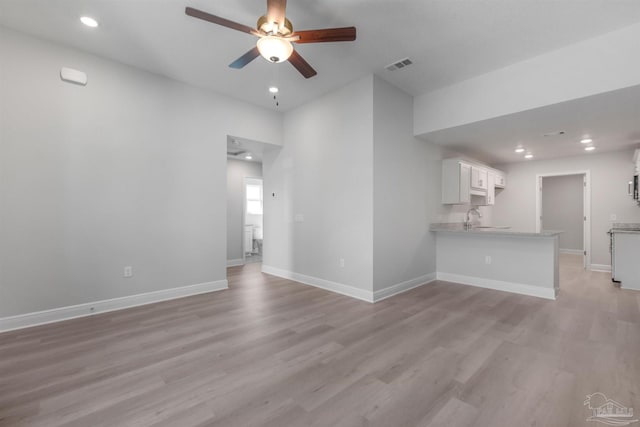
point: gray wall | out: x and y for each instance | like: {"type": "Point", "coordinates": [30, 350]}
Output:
{"type": "Point", "coordinates": [129, 170]}
{"type": "Point", "coordinates": [515, 260]}
{"type": "Point", "coordinates": [237, 171]}
{"type": "Point", "coordinates": [406, 197]}
{"type": "Point", "coordinates": [562, 209]}
{"type": "Point", "coordinates": [367, 189]}
{"type": "Point", "coordinates": [323, 172]}
{"type": "Point", "coordinates": [610, 173]}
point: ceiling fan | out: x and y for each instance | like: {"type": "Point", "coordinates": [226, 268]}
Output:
{"type": "Point", "coordinates": [276, 36]}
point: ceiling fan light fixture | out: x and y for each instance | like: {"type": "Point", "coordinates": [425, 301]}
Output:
{"type": "Point", "coordinates": [275, 49]}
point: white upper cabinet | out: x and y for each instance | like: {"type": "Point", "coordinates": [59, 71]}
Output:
{"type": "Point", "coordinates": [456, 182]}
{"type": "Point", "coordinates": [491, 188]}
{"type": "Point", "coordinates": [478, 178]}
{"type": "Point", "coordinates": [464, 183]}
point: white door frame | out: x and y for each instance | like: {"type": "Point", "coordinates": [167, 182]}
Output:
{"type": "Point", "coordinates": [586, 209]}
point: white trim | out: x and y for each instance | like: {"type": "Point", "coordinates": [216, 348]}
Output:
{"type": "Point", "coordinates": [368, 296]}
{"type": "Point", "coordinates": [572, 251]}
{"type": "Point", "coordinates": [600, 267]}
{"type": "Point", "coordinates": [498, 285]}
{"type": "Point", "coordinates": [399, 288]}
{"type": "Point", "coordinates": [348, 290]}
{"type": "Point", "coordinates": [87, 309]}
{"type": "Point", "coordinates": [586, 209]}
{"type": "Point", "coordinates": [327, 285]}
{"type": "Point", "coordinates": [235, 262]}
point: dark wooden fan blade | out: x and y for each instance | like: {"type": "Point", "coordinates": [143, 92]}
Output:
{"type": "Point", "coordinates": [346, 34]}
{"type": "Point", "coordinates": [218, 20]}
{"type": "Point", "coordinates": [301, 65]}
{"type": "Point", "coordinates": [276, 11]}
{"type": "Point", "coordinates": [245, 59]}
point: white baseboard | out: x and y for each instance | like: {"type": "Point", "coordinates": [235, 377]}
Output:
{"type": "Point", "coordinates": [235, 262]}
{"type": "Point", "coordinates": [399, 288]}
{"type": "Point", "coordinates": [327, 285]}
{"type": "Point", "coordinates": [572, 251]}
{"type": "Point", "coordinates": [498, 285]}
{"type": "Point", "coordinates": [351, 291]}
{"type": "Point", "coordinates": [88, 309]}
{"type": "Point", "coordinates": [600, 267]}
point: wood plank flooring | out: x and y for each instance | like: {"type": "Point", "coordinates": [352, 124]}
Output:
{"type": "Point", "coordinates": [271, 352]}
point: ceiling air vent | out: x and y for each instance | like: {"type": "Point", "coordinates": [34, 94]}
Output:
{"type": "Point", "coordinates": [555, 133]}
{"type": "Point", "coordinates": [400, 64]}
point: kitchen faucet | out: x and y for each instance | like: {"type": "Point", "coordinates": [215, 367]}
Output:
{"type": "Point", "coordinates": [467, 224]}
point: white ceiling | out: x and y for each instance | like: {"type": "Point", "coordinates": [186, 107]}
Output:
{"type": "Point", "coordinates": [611, 119]}
{"type": "Point", "coordinates": [448, 40]}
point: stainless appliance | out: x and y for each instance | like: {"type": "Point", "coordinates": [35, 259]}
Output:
{"type": "Point", "coordinates": [613, 255]}
{"type": "Point", "coordinates": [625, 247]}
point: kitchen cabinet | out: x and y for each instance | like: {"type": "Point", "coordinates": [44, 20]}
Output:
{"type": "Point", "coordinates": [491, 189]}
{"type": "Point", "coordinates": [478, 178]}
{"type": "Point", "coordinates": [456, 182]}
{"type": "Point", "coordinates": [468, 183]}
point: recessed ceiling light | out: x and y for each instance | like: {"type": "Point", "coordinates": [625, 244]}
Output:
{"type": "Point", "coordinates": [273, 89]}
{"type": "Point", "coordinates": [89, 22]}
{"type": "Point", "coordinates": [248, 157]}
{"type": "Point", "coordinates": [520, 150]}
{"type": "Point", "coordinates": [589, 148]}
{"type": "Point", "coordinates": [586, 140]}
{"type": "Point", "coordinates": [528, 156]}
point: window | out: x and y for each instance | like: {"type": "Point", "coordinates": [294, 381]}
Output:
{"type": "Point", "coordinates": [254, 199]}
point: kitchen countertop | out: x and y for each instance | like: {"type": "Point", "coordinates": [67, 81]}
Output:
{"type": "Point", "coordinates": [626, 227]}
{"type": "Point", "coordinates": [458, 227]}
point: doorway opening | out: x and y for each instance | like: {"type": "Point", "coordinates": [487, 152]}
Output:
{"type": "Point", "coordinates": [246, 216]}
{"type": "Point", "coordinates": [563, 202]}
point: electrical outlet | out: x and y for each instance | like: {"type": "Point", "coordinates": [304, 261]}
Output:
{"type": "Point", "coordinates": [487, 259]}
{"type": "Point", "coordinates": [128, 271]}
{"type": "Point", "coordinates": [341, 262]}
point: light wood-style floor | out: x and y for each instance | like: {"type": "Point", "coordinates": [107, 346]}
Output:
{"type": "Point", "coordinates": [270, 352]}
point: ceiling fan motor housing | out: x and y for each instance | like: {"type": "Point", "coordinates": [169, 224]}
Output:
{"type": "Point", "coordinates": [267, 27]}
